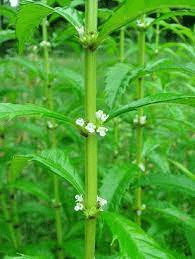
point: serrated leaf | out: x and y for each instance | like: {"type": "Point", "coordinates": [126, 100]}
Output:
{"type": "Point", "coordinates": [154, 99]}
{"type": "Point", "coordinates": [32, 13]}
{"type": "Point", "coordinates": [170, 212]}
{"type": "Point", "coordinates": [114, 80]}
{"type": "Point", "coordinates": [57, 163]}
{"type": "Point", "coordinates": [72, 16]}
{"type": "Point", "coordinates": [171, 182]}
{"type": "Point", "coordinates": [133, 241]}
{"type": "Point", "coordinates": [115, 184]}
{"type": "Point", "coordinates": [11, 111]}
{"type": "Point", "coordinates": [28, 18]}
{"type": "Point", "coordinates": [130, 10]}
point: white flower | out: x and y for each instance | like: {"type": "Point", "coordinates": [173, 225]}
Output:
{"type": "Point", "coordinates": [45, 43]}
{"type": "Point", "coordinates": [79, 206]}
{"type": "Point", "coordinates": [142, 167]}
{"type": "Point", "coordinates": [101, 202]}
{"type": "Point", "coordinates": [79, 198]}
{"type": "Point", "coordinates": [139, 212]}
{"type": "Point", "coordinates": [90, 127]}
{"type": "Point", "coordinates": [142, 120]}
{"type": "Point", "coordinates": [80, 122]}
{"type": "Point", "coordinates": [135, 120]}
{"type": "Point", "coordinates": [100, 115]}
{"type": "Point", "coordinates": [102, 131]}
{"type": "Point", "coordinates": [104, 117]}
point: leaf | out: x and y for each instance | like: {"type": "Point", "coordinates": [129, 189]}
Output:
{"type": "Point", "coordinates": [30, 187]}
{"type": "Point", "coordinates": [130, 11]}
{"type": "Point", "coordinates": [7, 35]}
{"type": "Point", "coordinates": [17, 164]}
{"type": "Point", "coordinates": [160, 161]}
{"type": "Point", "coordinates": [28, 18]}
{"type": "Point", "coordinates": [57, 163]}
{"type": "Point", "coordinates": [190, 234]}
{"type": "Point", "coordinates": [115, 184]}
{"type": "Point", "coordinates": [8, 12]}
{"type": "Point", "coordinates": [72, 16]}
{"type": "Point", "coordinates": [183, 169]}
{"type": "Point", "coordinates": [11, 111]}
{"type": "Point", "coordinates": [114, 80]}
{"type": "Point", "coordinates": [154, 99]}
{"type": "Point", "coordinates": [133, 241]}
{"type": "Point", "coordinates": [32, 13]}
{"type": "Point", "coordinates": [174, 182]}
{"type": "Point", "coordinates": [172, 213]}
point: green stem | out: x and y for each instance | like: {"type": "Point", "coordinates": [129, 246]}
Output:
{"type": "Point", "coordinates": [49, 96]}
{"type": "Point", "coordinates": [8, 218]}
{"type": "Point", "coordinates": [139, 131]}
{"type": "Point", "coordinates": [91, 141]}
{"type": "Point", "coordinates": [122, 44]}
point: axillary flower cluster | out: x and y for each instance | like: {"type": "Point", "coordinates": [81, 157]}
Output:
{"type": "Point", "coordinates": [89, 128]}
{"type": "Point", "coordinates": [80, 204]}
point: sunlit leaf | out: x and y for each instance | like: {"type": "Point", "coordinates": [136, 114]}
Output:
{"type": "Point", "coordinates": [130, 11]}
{"type": "Point", "coordinates": [154, 99]}
{"type": "Point", "coordinates": [133, 241]}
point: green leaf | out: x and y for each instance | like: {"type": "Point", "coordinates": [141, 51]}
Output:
{"type": "Point", "coordinates": [115, 184]}
{"type": "Point", "coordinates": [133, 241]}
{"type": "Point", "coordinates": [11, 111]}
{"type": "Point", "coordinates": [172, 213]}
{"type": "Point", "coordinates": [29, 17]}
{"type": "Point", "coordinates": [114, 80]}
{"type": "Point", "coordinates": [72, 16]}
{"type": "Point", "coordinates": [170, 182]}
{"type": "Point", "coordinates": [17, 164]}
{"type": "Point", "coordinates": [154, 99]}
{"type": "Point", "coordinates": [32, 13]}
{"type": "Point", "coordinates": [130, 11]}
{"type": "Point", "coordinates": [57, 163]}
{"type": "Point", "coordinates": [190, 234]}
{"type": "Point", "coordinates": [8, 12]}
{"type": "Point", "coordinates": [30, 187]}
{"type": "Point", "coordinates": [7, 35]}
{"type": "Point", "coordinates": [183, 169]}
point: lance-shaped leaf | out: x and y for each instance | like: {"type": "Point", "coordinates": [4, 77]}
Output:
{"type": "Point", "coordinates": [57, 163]}
{"type": "Point", "coordinates": [130, 10]}
{"type": "Point", "coordinates": [11, 111]}
{"type": "Point", "coordinates": [32, 13]}
{"type": "Point", "coordinates": [172, 213]}
{"type": "Point", "coordinates": [115, 184]}
{"type": "Point", "coordinates": [114, 79]}
{"type": "Point", "coordinates": [133, 241]}
{"type": "Point", "coordinates": [30, 187]}
{"type": "Point", "coordinates": [183, 169]}
{"type": "Point", "coordinates": [154, 99]}
{"type": "Point", "coordinates": [171, 183]}
{"type": "Point", "coordinates": [7, 35]}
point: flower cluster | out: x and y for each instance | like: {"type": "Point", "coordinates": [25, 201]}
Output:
{"type": "Point", "coordinates": [101, 203]}
{"type": "Point", "coordinates": [143, 24]}
{"type": "Point", "coordinates": [140, 210]}
{"type": "Point", "coordinates": [140, 120]}
{"type": "Point", "coordinates": [45, 43]}
{"type": "Point", "coordinates": [89, 128]}
{"type": "Point", "coordinates": [79, 203]}
{"type": "Point", "coordinates": [81, 206]}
